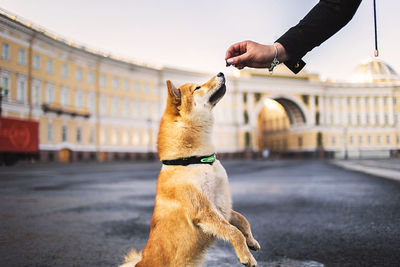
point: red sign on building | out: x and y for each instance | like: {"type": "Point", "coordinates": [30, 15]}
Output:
{"type": "Point", "coordinates": [19, 135]}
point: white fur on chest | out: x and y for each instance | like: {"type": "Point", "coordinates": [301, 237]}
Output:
{"type": "Point", "coordinates": [212, 181]}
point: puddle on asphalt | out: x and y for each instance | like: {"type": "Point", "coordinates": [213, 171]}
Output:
{"type": "Point", "coordinates": [223, 256]}
{"type": "Point", "coordinates": [290, 263]}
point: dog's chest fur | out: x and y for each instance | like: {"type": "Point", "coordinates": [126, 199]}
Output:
{"type": "Point", "coordinates": [212, 181]}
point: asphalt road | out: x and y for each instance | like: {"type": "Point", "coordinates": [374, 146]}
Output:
{"type": "Point", "coordinates": [303, 213]}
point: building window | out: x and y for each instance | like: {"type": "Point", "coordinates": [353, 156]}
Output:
{"type": "Point", "coordinates": [126, 108]}
{"type": "Point", "coordinates": [79, 75]}
{"type": "Point", "coordinates": [65, 96]}
{"type": "Point", "coordinates": [367, 118]}
{"type": "Point", "coordinates": [388, 140]}
{"type": "Point", "coordinates": [396, 117]}
{"type": "Point", "coordinates": [369, 140]}
{"type": "Point", "coordinates": [136, 87]}
{"type": "Point", "coordinates": [91, 102]}
{"type": "Point", "coordinates": [49, 132]}
{"type": "Point", "coordinates": [376, 100]}
{"type": "Point", "coordinates": [115, 106]}
{"type": "Point", "coordinates": [79, 135]}
{"type": "Point", "coordinates": [79, 99]}
{"type": "Point", "coordinates": [91, 77]}
{"type": "Point", "coordinates": [103, 105]}
{"type": "Point", "coordinates": [115, 83]}
{"type": "Point", "coordinates": [360, 140]}
{"type": "Point", "coordinates": [36, 94]}
{"type": "Point", "coordinates": [126, 85]}
{"type": "Point", "coordinates": [64, 134]}
{"type": "Point", "coordinates": [91, 137]}
{"type": "Point", "coordinates": [366, 101]}
{"type": "Point", "coordinates": [102, 81]}
{"type": "Point", "coordinates": [300, 141]}
{"type": "Point", "coordinates": [36, 62]}
{"type": "Point", "coordinates": [136, 109]}
{"type": "Point", "coordinates": [398, 140]}
{"type": "Point", "coordinates": [5, 51]}
{"type": "Point", "coordinates": [358, 118]}
{"type": "Point", "coordinates": [385, 101]}
{"type": "Point", "coordinates": [146, 109]}
{"type": "Point", "coordinates": [21, 91]}
{"type": "Point", "coordinates": [395, 100]}
{"type": "Point", "coordinates": [64, 70]}
{"type": "Point", "coordinates": [5, 84]}
{"type": "Point", "coordinates": [333, 140]}
{"type": "Point", "coordinates": [386, 118]}
{"type": "Point", "coordinates": [378, 139]}
{"type": "Point", "coordinates": [351, 141]}
{"type": "Point", "coordinates": [21, 57]}
{"type": "Point", "coordinates": [50, 66]}
{"type": "Point", "coordinates": [376, 118]}
{"type": "Point", "coordinates": [146, 88]}
{"type": "Point", "coordinates": [49, 93]}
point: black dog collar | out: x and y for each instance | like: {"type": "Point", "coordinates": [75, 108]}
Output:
{"type": "Point", "coordinates": [192, 160]}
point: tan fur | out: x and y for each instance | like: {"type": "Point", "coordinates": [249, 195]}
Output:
{"type": "Point", "coordinates": [193, 204]}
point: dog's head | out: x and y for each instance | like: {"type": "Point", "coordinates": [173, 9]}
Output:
{"type": "Point", "coordinates": [193, 98]}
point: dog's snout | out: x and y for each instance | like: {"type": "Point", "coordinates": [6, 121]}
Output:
{"type": "Point", "coordinates": [220, 74]}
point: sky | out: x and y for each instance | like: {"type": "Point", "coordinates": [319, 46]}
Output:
{"type": "Point", "coordinates": [194, 35]}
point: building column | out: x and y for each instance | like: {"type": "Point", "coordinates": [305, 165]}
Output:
{"type": "Point", "coordinates": [239, 107]}
{"type": "Point", "coordinates": [391, 118]}
{"type": "Point", "coordinates": [372, 110]}
{"type": "Point", "coordinates": [252, 117]}
{"type": "Point", "coordinates": [353, 110]}
{"type": "Point", "coordinates": [345, 119]}
{"type": "Point", "coordinates": [328, 111]}
{"type": "Point", "coordinates": [312, 110]}
{"type": "Point", "coordinates": [321, 105]}
{"type": "Point", "coordinates": [335, 111]}
{"type": "Point", "coordinates": [250, 108]}
{"type": "Point", "coordinates": [363, 113]}
{"type": "Point", "coordinates": [381, 111]}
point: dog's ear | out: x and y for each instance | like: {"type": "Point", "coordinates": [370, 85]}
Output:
{"type": "Point", "coordinates": [173, 99]}
{"type": "Point", "coordinates": [173, 91]}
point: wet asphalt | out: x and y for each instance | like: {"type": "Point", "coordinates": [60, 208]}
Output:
{"type": "Point", "coordinates": [303, 213]}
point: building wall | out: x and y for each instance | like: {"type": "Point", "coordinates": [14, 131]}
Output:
{"type": "Point", "coordinates": [99, 106]}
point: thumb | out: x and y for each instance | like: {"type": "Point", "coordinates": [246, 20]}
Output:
{"type": "Point", "coordinates": [239, 60]}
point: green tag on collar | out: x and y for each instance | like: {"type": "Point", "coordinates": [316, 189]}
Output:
{"type": "Point", "coordinates": [208, 159]}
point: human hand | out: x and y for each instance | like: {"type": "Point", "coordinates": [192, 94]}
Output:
{"type": "Point", "coordinates": [254, 55]}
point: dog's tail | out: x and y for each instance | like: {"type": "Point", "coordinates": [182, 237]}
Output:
{"type": "Point", "coordinates": [132, 258]}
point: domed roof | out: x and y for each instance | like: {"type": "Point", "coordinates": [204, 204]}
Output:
{"type": "Point", "coordinates": [374, 70]}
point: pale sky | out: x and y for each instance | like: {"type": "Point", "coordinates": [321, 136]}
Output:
{"type": "Point", "coordinates": [194, 35]}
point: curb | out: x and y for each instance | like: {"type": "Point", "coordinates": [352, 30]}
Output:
{"type": "Point", "coordinates": [384, 173]}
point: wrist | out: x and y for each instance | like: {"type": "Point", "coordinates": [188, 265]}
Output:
{"type": "Point", "coordinates": [282, 55]}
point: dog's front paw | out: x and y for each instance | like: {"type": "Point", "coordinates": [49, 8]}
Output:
{"type": "Point", "coordinates": [249, 261]}
{"type": "Point", "coordinates": [253, 244]}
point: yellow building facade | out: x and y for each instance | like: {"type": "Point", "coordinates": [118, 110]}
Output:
{"type": "Point", "coordinates": [93, 106]}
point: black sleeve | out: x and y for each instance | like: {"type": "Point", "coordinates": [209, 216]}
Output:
{"type": "Point", "coordinates": [323, 21]}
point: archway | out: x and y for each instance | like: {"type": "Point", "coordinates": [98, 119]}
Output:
{"type": "Point", "coordinates": [278, 118]}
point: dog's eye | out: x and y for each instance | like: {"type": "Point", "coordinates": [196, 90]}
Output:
{"type": "Point", "coordinates": [197, 88]}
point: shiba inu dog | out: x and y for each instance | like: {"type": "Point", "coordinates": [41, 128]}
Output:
{"type": "Point", "coordinates": [193, 203]}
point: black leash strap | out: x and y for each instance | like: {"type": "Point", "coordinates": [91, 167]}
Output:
{"type": "Point", "coordinates": [376, 31]}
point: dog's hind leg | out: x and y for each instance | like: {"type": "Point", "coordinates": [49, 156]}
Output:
{"type": "Point", "coordinates": [243, 225]}
{"type": "Point", "coordinates": [213, 223]}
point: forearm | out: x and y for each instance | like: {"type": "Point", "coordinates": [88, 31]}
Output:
{"type": "Point", "coordinates": [323, 21]}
